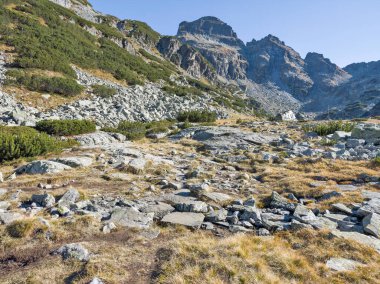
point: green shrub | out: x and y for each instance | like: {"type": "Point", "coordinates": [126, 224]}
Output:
{"type": "Point", "coordinates": [57, 85]}
{"type": "Point", "coordinates": [376, 162]}
{"type": "Point", "coordinates": [66, 127]}
{"type": "Point", "coordinates": [103, 91]}
{"type": "Point", "coordinates": [138, 130]}
{"type": "Point", "coordinates": [22, 142]}
{"type": "Point", "coordinates": [197, 116]}
{"type": "Point", "coordinates": [323, 129]}
{"type": "Point", "coordinates": [182, 91]}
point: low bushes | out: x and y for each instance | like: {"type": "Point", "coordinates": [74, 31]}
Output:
{"type": "Point", "coordinates": [103, 91]}
{"type": "Point", "coordinates": [323, 129]}
{"type": "Point", "coordinates": [66, 127]}
{"type": "Point", "coordinates": [57, 85]}
{"type": "Point", "coordinates": [20, 229]}
{"type": "Point", "coordinates": [22, 142]}
{"type": "Point", "coordinates": [197, 116]}
{"type": "Point", "coordinates": [138, 130]}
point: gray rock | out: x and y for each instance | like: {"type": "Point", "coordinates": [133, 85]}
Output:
{"type": "Point", "coordinates": [370, 194]}
{"type": "Point", "coordinates": [216, 216]}
{"type": "Point", "coordinates": [44, 200]}
{"type": "Point", "coordinates": [342, 208]}
{"type": "Point", "coordinates": [74, 251]}
{"type": "Point", "coordinates": [70, 197]}
{"type": "Point", "coordinates": [42, 167]}
{"type": "Point", "coordinates": [296, 225]}
{"type": "Point", "coordinates": [341, 135]}
{"type": "Point", "coordinates": [3, 191]}
{"type": "Point", "coordinates": [159, 209]}
{"type": "Point", "coordinates": [131, 218]}
{"type": "Point", "coordinates": [303, 214]}
{"type": "Point", "coordinates": [372, 206]}
{"type": "Point", "coordinates": [371, 224]}
{"type": "Point", "coordinates": [75, 162]}
{"type": "Point", "coordinates": [360, 238]}
{"type": "Point", "coordinates": [107, 228]}
{"type": "Point", "coordinates": [137, 166]}
{"type": "Point", "coordinates": [9, 217]}
{"type": "Point", "coordinates": [277, 201]}
{"type": "Point", "coordinates": [1, 177]}
{"type": "Point", "coordinates": [188, 219]}
{"type": "Point", "coordinates": [262, 232]}
{"type": "Point", "coordinates": [96, 280]}
{"type": "Point", "coordinates": [368, 132]}
{"type": "Point", "coordinates": [192, 206]}
{"type": "Point", "coordinates": [217, 197]}
{"type": "Point", "coordinates": [342, 264]}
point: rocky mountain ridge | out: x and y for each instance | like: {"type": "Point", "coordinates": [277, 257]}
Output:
{"type": "Point", "coordinates": [316, 82]}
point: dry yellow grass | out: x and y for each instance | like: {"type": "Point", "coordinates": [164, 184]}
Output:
{"type": "Point", "coordinates": [285, 258]}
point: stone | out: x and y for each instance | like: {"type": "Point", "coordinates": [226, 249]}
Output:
{"type": "Point", "coordinates": [96, 280]}
{"type": "Point", "coordinates": [207, 226]}
{"type": "Point", "coordinates": [341, 135]}
{"type": "Point", "coordinates": [347, 187]}
{"type": "Point", "coordinates": [1, 177]}
{"type": "Point", "coordinates": [342, 264]}
{"type": "Point", "coordinates": [4, 205]}
{"type": "Point", "coordinates": [262, 232]}
{"type": "Point", "coordinates": [131, 218]}
{"type": "Point", "coordinates": [296, 225]}
{"type": "Point", "coordinates": [360, 238]}
{"type": "Point", "coordinates": [277, 201]}
{"type": "Point", "coordinates": [353, 143]}
{"type": "Point", "coordinates": [368, 132]}
{"type": "Point", "coordinates": [70, 197]}
{"type": "Point", "coordinates": [159, 209]}
{"type": "Point", "coordinates": [371, 224]}
{"type": "Point", "coordinates": [74, 251]}
{"type": "Point", "coordinates": [107, 228]}
{"type": "Point", "coordinates": [288, 116]}
{"type": "Point", "coordinates": [9, 217]}
{"type": "Point", "coordinates": [137, 166]}
{"type": "Point", "coordinates": [42, 167]}
{"type": "Point", "coordinates": [303, 214]}
{"type": "Point", "coordinates": [44, 200]}
{"type": "Point", "coordinates": [3, 192]}
{"type": "Point", "coordinates": [188, 219]}
{"type": "Point", "coordinates": [217, 197]}
{"type": "Point", "coordinates": [370, 194]}
{"type": "Point", "coordinates": [75, 162]}
{"type": "Point", "coordinates": [192, 206]}
{"type": "Point", "coordinates": [337, 217]}
{"type": "Point", "coordinates": [329, 195]}
{"type": "Point", "coordinates": [372, 206]}
{"type": "Point", "coordinates": [342, 208]}
{"type": "Point", "coordinates": [216, 216]}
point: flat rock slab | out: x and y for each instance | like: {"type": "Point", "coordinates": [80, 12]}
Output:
{"type": "Point", "coordinates": [188, 219]}
{"type": "Point", "coordinates": [370, 194]}
{"type": "Point", "coordinates": [342, 264]}
{"type": "Point", "coordinates": [217, 196]}
{"type": "Point", "coordinates": [347, 187]}
{"type": "Point", "coordinates": [159, 209]}
{"type": "Point", "coordinates": [9, 217]}
{"type": "Point", "coordinates": [75, 162]}
{"type": "Point", "coordinates": [131, 218]}
{"type": "Point", "coordinates": [371, 224]}
{"type": "Point", "coordinates": [360, 238]}
{"type": "Point", "coordinates": [42, 167]}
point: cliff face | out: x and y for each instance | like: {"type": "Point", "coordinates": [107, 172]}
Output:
{"type": "Point", "coordinates": [186, 57]}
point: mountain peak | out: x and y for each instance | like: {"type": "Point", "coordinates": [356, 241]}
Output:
{"type": "Point", "coordinates": [209, 26]}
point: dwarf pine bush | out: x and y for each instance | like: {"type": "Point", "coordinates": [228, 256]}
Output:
{"type": "Point", "coordinates": [66, 127]}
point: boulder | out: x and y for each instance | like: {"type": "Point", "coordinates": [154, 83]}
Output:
{"type": "Point", "coordinates": [75, 162]}
{"type": "Point", "coordinates": [341, 135]}
{"type": "Point", "coordinates": [188, 219]}
{"type": "Point", "coordinates": [70, 197]}
{"type": "Point", "coordinates": [277, 201]}
{"type": "Point", "coordinates": [358, 237]}
{"type": "Point", "coordinates": [342, 208]}
{"type": "Point", "coordinates": [288, 116]}
{"type": "Point", "coordinates": [217, 197]}
{"type": "Point", "coordinates": [131, 218]}
{"type": "Point", "coordinates": [137, 166]}
{"type": "Point", "coordinates": [342, 264]}
{"type": "Point", "coordinates": [42, 167]}
{"type": "Point", "coordinates": [367, 131]}
{"type": "Point", "coordinates": [192, 206]}
{"type": "Point", "coordinates": [74, 251]}
{"type": "Point", "coordinates": [159, 209]}
{"type": "Point", "coordinates": [371, 224]}
{"type": "Point", "coordinates": [9, 217]}
{"type": "Point", "coordinates": [44, 200]}
{"type": "Point", "coordinates": [96, 280]}
{"type": "Point", "coordinates": [303, 214]}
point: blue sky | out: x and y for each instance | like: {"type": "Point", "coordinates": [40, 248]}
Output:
{"type": "Point", "coordinates": [345, 31]}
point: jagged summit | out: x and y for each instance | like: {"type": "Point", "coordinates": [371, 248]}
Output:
{"type": "Point", "coordinates": [211, 27]}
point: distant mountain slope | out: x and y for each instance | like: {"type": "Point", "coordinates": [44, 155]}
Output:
{"type": "Point", "coordinates": [278, 77]}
